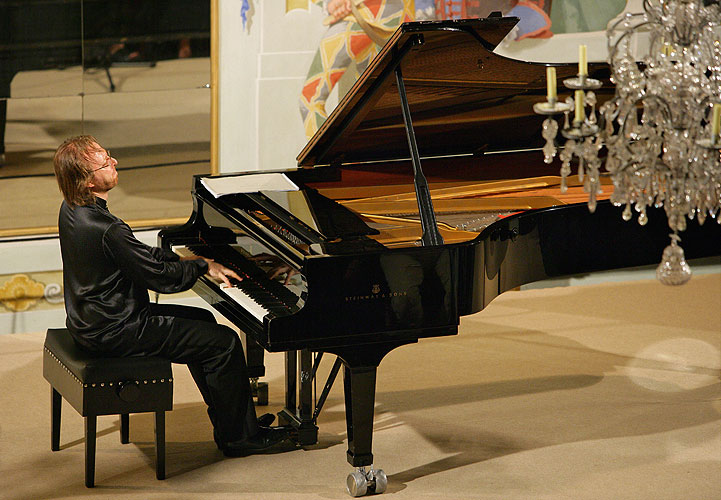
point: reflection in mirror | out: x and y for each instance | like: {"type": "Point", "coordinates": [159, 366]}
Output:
{"type": "Point", "coordinates": [34, 128]}
{"type": "Point", "coordinates": [29, 195]}
{"type": "Point", "coordinates": [160, 140]}
{"type": "Point", "coordinates": [138, 82]}
{"type": "Point", "coordinates": [38, 62]}
{"type": "Point", "coordinates": [40, 35]}
{"type": "Point", "coordinates": [132, 46]}
{"type": "Point", "coordinates": [3, 126]}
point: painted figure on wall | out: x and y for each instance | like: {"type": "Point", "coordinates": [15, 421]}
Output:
{"type": "Point", "coordinates": [358, 28]}
{"type": "Point", "coordinates": [352, 27]}
{"type": "Point", "coordinates": [534, 14]}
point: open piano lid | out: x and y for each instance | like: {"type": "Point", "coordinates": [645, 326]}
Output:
{"type": "Point", "coordinates": [463, 98]}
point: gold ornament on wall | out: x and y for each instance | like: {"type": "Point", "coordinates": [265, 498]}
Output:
{"type": "Point", "coordinates": [21, 292]}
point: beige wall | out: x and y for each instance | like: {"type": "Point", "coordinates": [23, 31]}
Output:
{"type": "Point", "coordinates": [261, 72]}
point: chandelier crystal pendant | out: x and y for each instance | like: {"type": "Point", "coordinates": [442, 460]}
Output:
{"type": "Point", "coordinates": [660, 131]}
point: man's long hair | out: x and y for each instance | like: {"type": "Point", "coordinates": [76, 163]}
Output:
{"type": "Point", "coordinates": [72, 165]}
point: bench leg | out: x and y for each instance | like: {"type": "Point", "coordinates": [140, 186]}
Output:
{"type": "Point", "coordinates": [91, 423]}
{"type": "Point", "coordinates": [160, 444]}
{"type": "Point", "coordinates": [124, 428]}
{"type": "Point", "coordinates": [56, 404]}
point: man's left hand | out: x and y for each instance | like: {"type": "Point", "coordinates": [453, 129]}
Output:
{"type": "Point", "coordinates": [222, 273]}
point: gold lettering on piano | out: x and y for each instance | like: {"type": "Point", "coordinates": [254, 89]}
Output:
{"type": "Point", "coordinates": [375, 294]}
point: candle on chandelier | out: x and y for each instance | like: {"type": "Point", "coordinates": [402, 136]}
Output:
{"type": "Point", "coordinates": [582, 61]}
{"type": "Point", "coordinates": [551, 84]}
{"type": "Point", "coordinates": [578, 100]}
{"type": "Point", "coordinates": [716, 122]}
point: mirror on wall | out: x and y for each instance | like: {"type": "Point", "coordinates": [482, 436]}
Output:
{"type": "Point", "coordinates": [135, 74]}
{"type": "Point", "coordinates": [132, 45]}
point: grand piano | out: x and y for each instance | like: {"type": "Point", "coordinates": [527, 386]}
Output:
{"type": "Point", "coordinates": [422, 198]}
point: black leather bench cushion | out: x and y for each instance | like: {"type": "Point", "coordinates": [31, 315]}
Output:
{"type": "Point", "coordinates": [91, 368]}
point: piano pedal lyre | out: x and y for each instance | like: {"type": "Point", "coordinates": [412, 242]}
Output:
{"type": "Point", "coordinates": [259, 391]}
{"type": "Point", "coordinates": [362, 482]}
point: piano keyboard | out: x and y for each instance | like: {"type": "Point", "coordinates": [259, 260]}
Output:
{"type": "Point", "coordinates": [245, 301]}
{"type": "Point", "coordinates": [256, 293]}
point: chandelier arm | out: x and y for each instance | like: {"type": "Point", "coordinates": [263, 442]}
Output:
{"type": "Point", "coordinates": [708, 19]}
{"type": "Point", "coordinates": [705, 104]}
{"type": "Point", "coordinates": [648, 8]}
{"type": "Point", "coordinates": [667, 115]}
{"type": "Point", "coordinates": [665, 170]}
{"type": "Point", "coordinates": [614, 48]}
{"type": "Point", "coordinates": [622, 20]}
{"type": "Point", "coordinates": [665, 111]}
{"type": "Point", "coordinates": [657, 37]}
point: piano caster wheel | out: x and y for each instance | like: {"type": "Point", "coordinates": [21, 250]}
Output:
{"type": "Point", "coordinates": [356, 483]}
{"type": "Point", "coordinates": [360, 482]}
{"type": "Point", "coordinates": [381, 481]}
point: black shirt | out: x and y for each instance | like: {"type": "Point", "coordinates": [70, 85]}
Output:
{"type": "Point", "coordinates": [107, 273]}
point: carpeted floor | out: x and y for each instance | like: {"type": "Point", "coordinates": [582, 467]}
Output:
{"type": "Point", "coordinates": [607, 391]}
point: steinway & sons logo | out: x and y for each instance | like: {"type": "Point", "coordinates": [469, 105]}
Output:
{"type": "Point", "coordinates": [375, 294]}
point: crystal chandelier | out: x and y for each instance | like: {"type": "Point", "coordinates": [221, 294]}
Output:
{"type": "Point", "coordinates": [659, 134]}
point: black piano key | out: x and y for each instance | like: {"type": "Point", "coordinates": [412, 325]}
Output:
{"type": "Point", "coordinates": [255, 283]}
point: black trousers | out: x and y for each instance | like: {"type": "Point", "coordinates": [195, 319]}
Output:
{"type": "Point", "coordinates": [214, 355]}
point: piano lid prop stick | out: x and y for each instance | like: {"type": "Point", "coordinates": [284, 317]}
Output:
{"type": "Point", "coordinates": [551, 95]}
{"type": "Point", "coordinates": [580, 114]}
{"type": "Point", "coordinates": [582, 61]}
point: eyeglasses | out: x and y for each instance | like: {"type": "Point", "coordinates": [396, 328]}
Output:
{"type": "Point", "coordinates": [108, 162]}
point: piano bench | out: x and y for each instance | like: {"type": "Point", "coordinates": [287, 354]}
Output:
{"type": "Point", "coordinates": [97, 385]}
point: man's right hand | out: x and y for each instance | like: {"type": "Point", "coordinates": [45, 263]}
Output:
{"type": "Point", "coordinates": [220, 272]}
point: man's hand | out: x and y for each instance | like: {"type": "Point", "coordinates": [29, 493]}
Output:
{"type": "Point", "coordinates": [220, 272]}
{"type": "Point", "coordinates": [279, 267]}
{"type": "Point", "coordinates": [337, 10]}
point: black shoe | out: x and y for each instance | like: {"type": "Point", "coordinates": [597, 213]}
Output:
{"type": "Point", "coordinates": [266, 438]}
{"type": "Point", "coordinates": [266, 420]}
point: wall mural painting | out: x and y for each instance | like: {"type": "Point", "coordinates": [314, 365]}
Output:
{"type": "Point", "coordinates": [357, 28]}
{"type": "Point", "coordinates": [354, 36]}
{"type": "Point", "coordinates": [324, 58]}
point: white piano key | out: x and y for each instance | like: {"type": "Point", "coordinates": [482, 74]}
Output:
{"type": "Point", "coordinates": [236, 294]}
{"type": "Point", "coordinates": [245, 301]}
{"type": "Point", "coordinates": [182, 251]}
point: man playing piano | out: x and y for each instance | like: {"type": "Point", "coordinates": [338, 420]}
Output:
{"type": "Point", "coordinates": [107, 273]}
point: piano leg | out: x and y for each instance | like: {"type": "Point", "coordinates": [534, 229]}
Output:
{"type": "Point", "coordinates": [360, 391]}
{"type": "Point", "coordinates": [254, 355]}
{"type": "Point", "coordinates": [305, 388]}
{"type": "Point", "coordinates": [298, 411]}
{"type": "Point", "coordinates": [359, 385]}
{"type": "Point", "coordinates": [360, 364]}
